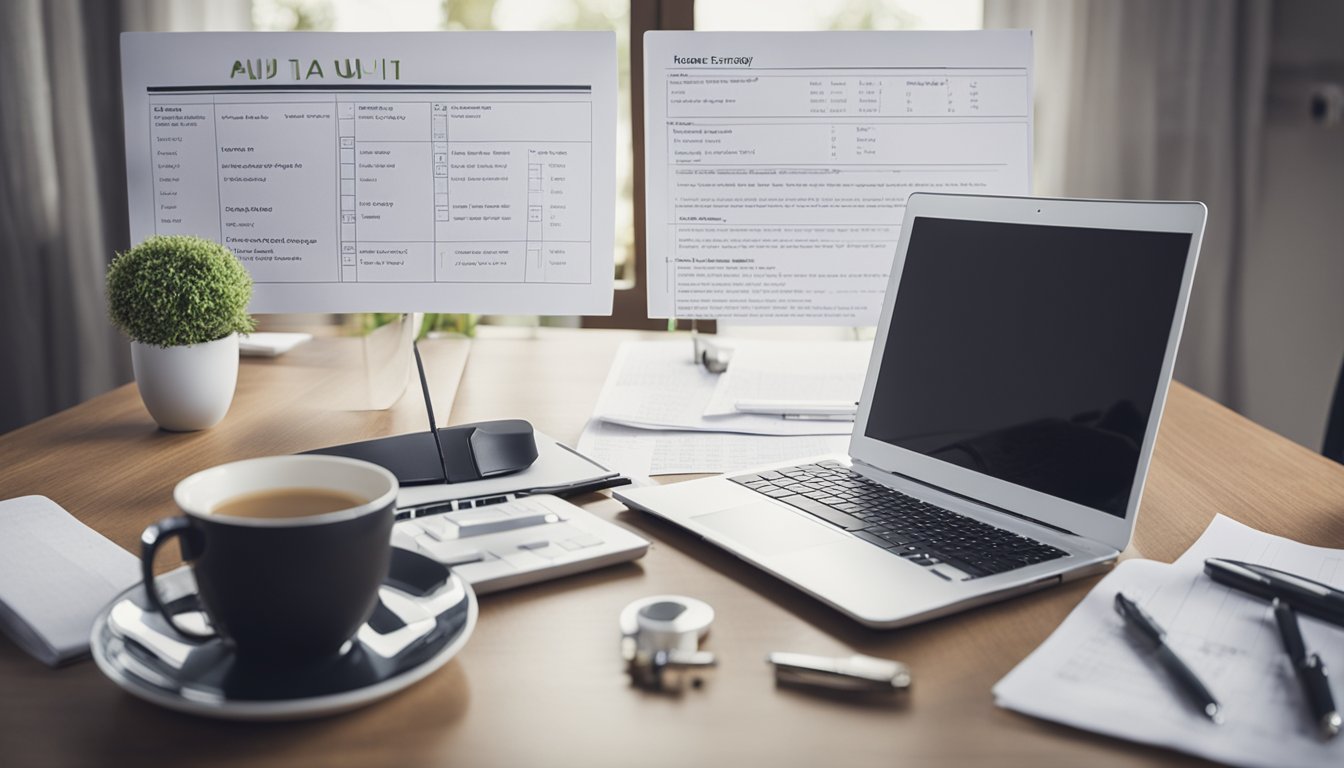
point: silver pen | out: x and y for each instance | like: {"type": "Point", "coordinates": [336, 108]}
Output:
{"type": "Point", "coordinates": [857, 673]}
{"type": "Point", "coordinates": [814, 410]}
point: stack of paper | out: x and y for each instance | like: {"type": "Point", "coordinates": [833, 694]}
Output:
{"type": "Point", "coordinates": [661, 412]}
{"type": "Point", "coordinates": [1089, 675]}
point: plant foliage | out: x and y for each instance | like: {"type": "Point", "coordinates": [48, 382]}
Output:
{"type": "Point", "coordinates": [177, 290]}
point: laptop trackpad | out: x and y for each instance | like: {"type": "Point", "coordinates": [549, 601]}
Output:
{"type": "Point", "coordinates": [768, 529]}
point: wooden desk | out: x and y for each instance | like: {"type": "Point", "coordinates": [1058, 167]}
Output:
{"type": "Point", "coordinates": [540, 682]}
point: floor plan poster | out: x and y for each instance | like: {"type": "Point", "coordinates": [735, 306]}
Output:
{"type": "Point", "coordinates": [443, 171]}
{"type": "Point", "coordinates": [778, 164]}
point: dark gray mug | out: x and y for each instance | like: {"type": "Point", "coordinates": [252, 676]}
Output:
{"type": "Point", "coordinates": [281, 587]}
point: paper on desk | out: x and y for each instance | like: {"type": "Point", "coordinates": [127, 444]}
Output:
{"type": "Point", "coordinates": [56, 574]}
{"type": "Point", "coordinates": [1090, 675]}
{"type": "Point", "coordinates": [658, 385]}
{"type": "Point", "coordinates": [649, 452]}
{"type": "Point", "coordinates": [815, 371]}
{"type": "Point", "coordinates": [265, 344]}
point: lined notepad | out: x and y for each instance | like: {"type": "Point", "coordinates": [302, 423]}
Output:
{"type": "Point", "coordinates": [56, 574]}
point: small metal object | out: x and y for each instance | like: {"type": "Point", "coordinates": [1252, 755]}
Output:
{"type": "Point", "coordinates": [856, 674]}
{"type": "Point", "coordinates": [660, 642]}
{"type": "Point", "coordinates": [714, 358]}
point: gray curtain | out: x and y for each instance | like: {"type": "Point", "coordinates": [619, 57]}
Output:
{"type": "Point", "coordinates": [1159, 99]}
{"type": "Point", "coordinates": [63, 190]}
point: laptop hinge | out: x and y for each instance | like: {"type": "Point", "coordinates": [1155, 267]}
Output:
{"type": "Point", "coordinates": [971, 499]}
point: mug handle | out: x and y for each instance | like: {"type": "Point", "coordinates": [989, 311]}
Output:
{"type": "Point", "coordinates": [154, 536]}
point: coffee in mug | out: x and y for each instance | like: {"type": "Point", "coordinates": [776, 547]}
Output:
{"type": "Point", "coordinates": [287, 502]}
{"type": "Point", "coordinates": [288, 551]}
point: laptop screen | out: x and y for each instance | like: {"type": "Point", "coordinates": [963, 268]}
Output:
{"type": "Point", "coordinates": [1030, 353]}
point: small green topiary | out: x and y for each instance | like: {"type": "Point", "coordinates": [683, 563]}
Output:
{"type": "Point", "coordinates": [177, 290]}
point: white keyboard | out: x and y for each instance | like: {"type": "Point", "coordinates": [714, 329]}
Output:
{"type": "Point", "coordinates": [512, 543]}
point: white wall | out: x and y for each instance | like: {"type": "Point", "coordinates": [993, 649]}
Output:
{"type": "Point", "coordinates": [1293, 304]}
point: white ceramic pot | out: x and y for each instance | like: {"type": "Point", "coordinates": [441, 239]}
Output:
{"type": "Point", "coordinates": [187, 388]}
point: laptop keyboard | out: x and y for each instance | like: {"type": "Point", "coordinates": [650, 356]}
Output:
{"type": "Point", "coordinates": [920, 532]}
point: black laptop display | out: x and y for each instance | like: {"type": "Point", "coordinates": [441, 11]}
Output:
{"type": "Point", "coordinates": [1030, 353]}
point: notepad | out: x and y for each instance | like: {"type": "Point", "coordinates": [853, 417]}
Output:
{"type": "Point", "coordinates": [56, 574]}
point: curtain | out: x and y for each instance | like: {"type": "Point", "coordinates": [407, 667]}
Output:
{"type": "Point", "coordinates": [1159, 100]}
{"type": "Point", "coordinates": [63, 190]}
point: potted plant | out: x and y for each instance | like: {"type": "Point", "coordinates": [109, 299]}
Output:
{"type": "Point", "coordinates": [182, 300]}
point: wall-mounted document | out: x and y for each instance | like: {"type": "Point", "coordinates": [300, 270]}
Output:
{"type": "Point", "coordinates": [441, 171]}
{"type": "Point", "coordinates": [778, 164]}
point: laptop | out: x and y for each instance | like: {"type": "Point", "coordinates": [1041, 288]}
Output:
{"type": "Point", "coordinates": [1007, 419]}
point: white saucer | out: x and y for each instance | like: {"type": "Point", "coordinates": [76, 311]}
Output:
{"type": "Point", "coordinates": [424, 617]}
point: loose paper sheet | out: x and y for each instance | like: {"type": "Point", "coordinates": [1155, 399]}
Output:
{"type": "Point", "coordinates": [375, 172]}
{"type": "Point", "coordinates": [1090, 675]}
{"type": "Point", "coordinates": [644, 452]}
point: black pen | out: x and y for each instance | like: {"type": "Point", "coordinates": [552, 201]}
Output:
{"type": "Point", "coordinates": [1304, 595]}
{"type": "Point", "coordinates": [1310, 671]}
{"type": "Point", "coordinates": [1143, 624]}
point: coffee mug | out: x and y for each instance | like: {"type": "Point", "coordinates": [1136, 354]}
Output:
{"type": "Point", "coordinates": [288, 551]}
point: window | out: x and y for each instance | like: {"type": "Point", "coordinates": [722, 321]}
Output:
{"type": "Point", "coordinates": [801, 15]}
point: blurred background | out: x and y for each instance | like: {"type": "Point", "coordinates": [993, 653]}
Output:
{"type": "Point", "coordinates": [1238, 103]}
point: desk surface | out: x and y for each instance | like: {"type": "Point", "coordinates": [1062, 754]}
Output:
{"type": "Point", "coordinates": [540, 682]}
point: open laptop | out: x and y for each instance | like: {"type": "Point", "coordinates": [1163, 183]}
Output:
{"type": "Point", "coordinates": [1007, 419]}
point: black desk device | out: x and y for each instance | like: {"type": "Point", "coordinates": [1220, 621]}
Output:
{"type": "Point", "coordinates": [450, 454]}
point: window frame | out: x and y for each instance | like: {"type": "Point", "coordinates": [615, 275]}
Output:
{"type": "Point", "coordinates": [630, 306]}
